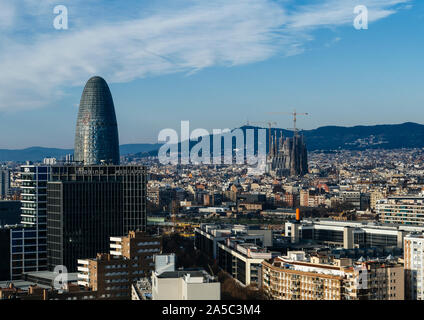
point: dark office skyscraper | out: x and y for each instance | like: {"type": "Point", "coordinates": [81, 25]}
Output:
{"type": "Point", "coordinates": [88, 204]}
{"type": "Point", "coordinates": [96, 136]}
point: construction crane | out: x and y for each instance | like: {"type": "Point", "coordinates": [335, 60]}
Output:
{"type": "Point", "coordinates": [294, 114]}
{"type": "Point", "coordinates": [270, 124]}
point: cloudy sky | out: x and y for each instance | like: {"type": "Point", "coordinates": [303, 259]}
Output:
{"type": "Point", "coordinates": [217, 63]}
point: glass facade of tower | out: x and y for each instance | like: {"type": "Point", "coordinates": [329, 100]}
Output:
{"type": "Point", "coordinates": [96, 136]}
{"type": "Point", "coordinates": [88, 204]}
{"type": "Point", "coordinates": [29, 241]}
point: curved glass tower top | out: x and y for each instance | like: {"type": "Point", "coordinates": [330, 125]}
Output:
{"type": "Point", "coordinates": [96, 136]}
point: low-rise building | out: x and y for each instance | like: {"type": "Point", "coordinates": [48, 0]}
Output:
{"type": "Point", "coordinates": [185, 285]}
{"type": "Point", "coordinates": [242, 260]}
{"type": "Point", "coordinates": [349, 234]}
{"type": "Point", "coordinates": [45, 285]}
{"type": "Point", "coordinates": [167, 283]}
{"type": "Point", "coordinates": [208, 236]}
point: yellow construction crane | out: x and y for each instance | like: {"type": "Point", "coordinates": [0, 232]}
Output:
{"type": "Point", "coordinates": [294, 114]}
{"type": "Point", "coordinates": [270, 124]}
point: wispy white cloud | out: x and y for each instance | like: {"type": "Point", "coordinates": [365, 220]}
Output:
{"type": "Point", "coordinates": [7, 14]}
{"type": "Point", "coordinates": [187, 36]}
{"type": "Point", "coordinates": [340, 12]}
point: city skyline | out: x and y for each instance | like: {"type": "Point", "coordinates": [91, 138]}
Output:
{"type": "Point", "coordinates": [228, 152]}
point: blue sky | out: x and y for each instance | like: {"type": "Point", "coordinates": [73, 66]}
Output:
{"type": "Point", "coordinates": [216, 63]}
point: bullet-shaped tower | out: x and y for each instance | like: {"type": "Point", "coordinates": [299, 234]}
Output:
{"type": "Point", "coordinates": [96, 136]}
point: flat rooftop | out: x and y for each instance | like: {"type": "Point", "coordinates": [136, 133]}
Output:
{"type": "Point", "coordinates": [253, 247]}
{"type": "Point", "coordinates": [179, 274]}
{"type": "Point", "coordinates": [21, 284]}
{"type": "Point", "coordinates": [49, 275]}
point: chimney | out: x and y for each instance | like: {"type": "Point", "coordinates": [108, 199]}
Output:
{"type": "Point", "coordinates": [297, 214]}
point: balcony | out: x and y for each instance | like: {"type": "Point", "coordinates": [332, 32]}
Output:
{"type": "Point", "coordinates": [84, 269]}
{"type": "Point", "coordinates": [83, 283]}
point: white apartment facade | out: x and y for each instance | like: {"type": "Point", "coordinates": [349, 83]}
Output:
{"type": "Point", "coordinates": [414, 261]}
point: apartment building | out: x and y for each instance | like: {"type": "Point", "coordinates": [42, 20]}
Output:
{"type": "Point", "coordinates": [375, 196]}
{"type": "Point", "coordinates": [311, 198]}
{"type": "Point", "coordinates": [109, 276]}
{"type": "Point", "coordinates": [408, 210]}
{"type": "Point", "coordinates": [112, 274]}
{"type": "Point", "coordinates": [290, 199]}
{"type": "Point", "coordinates": [414, 262]}
{"type": "Point", "coordinates": [140, 247]}
{"type": "Point", "coordinates": [296, 277]}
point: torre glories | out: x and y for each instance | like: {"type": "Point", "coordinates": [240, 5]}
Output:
{"type": "Point", "coordinates": [96, 136]}
{"type": "Point", "coordinates": [95, 197]}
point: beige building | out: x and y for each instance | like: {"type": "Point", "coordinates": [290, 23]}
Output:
{"type": "Point", "coordinates": [311, 198]}
{"type": "Point", "coordinates": [249, 207]}
{"type": "Point", "coordinates": [111, 274]}
{"type": "Point", "coordinates": [295, 277]}
{"type": "Point", "coordinates": [374, 197]}
{"type": "Point", "coordinates": [107, 275]}
{"type": "Point", "coordinates": [185, 285]}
